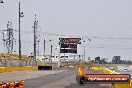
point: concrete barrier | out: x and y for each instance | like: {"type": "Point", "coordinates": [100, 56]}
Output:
{"type": "Point", "coordinates": [44, 67]}
{"type": "Point", "coordinates": [11, 69]}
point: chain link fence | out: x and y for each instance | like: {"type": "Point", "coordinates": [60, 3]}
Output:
{"type": "Point", "coordinates": [14, 63]}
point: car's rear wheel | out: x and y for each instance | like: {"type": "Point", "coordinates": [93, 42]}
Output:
{"type": "Point", "coordinates": [81, 80]}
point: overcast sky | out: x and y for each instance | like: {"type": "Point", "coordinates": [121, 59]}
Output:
{"type": "Point", "coordinates": [108, 23]}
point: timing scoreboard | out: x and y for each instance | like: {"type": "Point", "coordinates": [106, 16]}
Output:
{"type": "Point", "coordinates": [69, 45]}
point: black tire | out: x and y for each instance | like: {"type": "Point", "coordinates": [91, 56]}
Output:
{"type": "Point", "coordinates": [81, 80]}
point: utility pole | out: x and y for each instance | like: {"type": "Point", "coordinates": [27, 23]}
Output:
{"type": "Point", "coordinates": [35, 28]}
{"type": "Point", "coordinates": [84, 52]}
{"type": "Point", "coordinates": [59, 54]}
{"type": "Point", "coordinates": [51, 54]}
{"type": "Point", "coordinates": [10, 38]}
{"type": "Point", "coordinates": [44, 48]}
{"type": "Point", "coordinates": [74, 60]}
{"type": "Point", "coordinates": [20, 15]}
{"type": "Point", "coordinates": [38, 48]}
{"type": "Point", "coordinates": [64, 59]}
{"type": "Point", "coordinates": [4, 32]}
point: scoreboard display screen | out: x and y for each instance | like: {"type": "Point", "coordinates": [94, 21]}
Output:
{"type": "Point", "coordinates": [68, 45]}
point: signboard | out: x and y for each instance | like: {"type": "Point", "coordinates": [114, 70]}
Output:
{"type": "Point", "coordinates": [68, 48]}
{"type": "Point", "coordinates": [108, 78]}
{"type": "Point", "coordinates": [68, 51]}
{"type": "Point", "coordinates": [68, 45]}
{"type": "Point", "coordinates": [70, 40]}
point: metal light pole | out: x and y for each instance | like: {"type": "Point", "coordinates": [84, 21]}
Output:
{"type": "Point", "coordinates": [35, 40]}
{"type": "Point", "coordinates": [84, 52]}
{"type": "Point", "coordinates": [20, 15]}
{"type": "Point", "coordinates": [64, 59]}
{"type": "Point", "coordinates": [44, 48]}
{"type": "Point", "coordinates": [38, 48]}
{"type": "Point", "coordinates": [51, 54]}
{"type": "Point", "coordinates": [59, 54]}
{"type": "Point", "coordinates": [4, 39]}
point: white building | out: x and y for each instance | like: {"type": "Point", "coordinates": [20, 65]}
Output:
{"type": "Point", "coordinates": [55, 58]}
